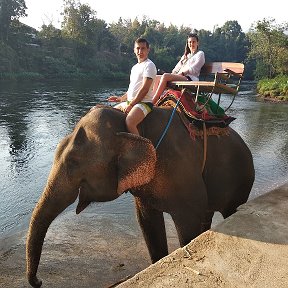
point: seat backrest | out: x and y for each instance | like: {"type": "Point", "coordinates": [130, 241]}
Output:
{"type": "Point", "coordinates": [213, 67]}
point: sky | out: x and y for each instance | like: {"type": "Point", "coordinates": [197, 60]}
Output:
{"type": "Point", "coordinates": [196, 15]}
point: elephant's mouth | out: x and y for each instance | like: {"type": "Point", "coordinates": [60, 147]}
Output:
{"type": "Point", "coordinates": [88, 195]}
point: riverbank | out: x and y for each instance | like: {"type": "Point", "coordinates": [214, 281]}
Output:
{"type": "Point", "coordinates": [274, 90]}
{"type": "Point", "coordinates": [249, 249]}
{"type": "Point", "coordinates": [273, 99]}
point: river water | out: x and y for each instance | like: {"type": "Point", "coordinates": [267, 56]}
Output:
{"type": "Point", "coordinates": [35, 116]}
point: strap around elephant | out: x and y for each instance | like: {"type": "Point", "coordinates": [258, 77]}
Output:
{"type": "Point", "coordinates": [170, 120]}
{"type": "Point", "coordinates": [204, 146]}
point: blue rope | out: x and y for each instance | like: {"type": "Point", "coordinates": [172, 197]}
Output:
{"type": "Point", "coordinates": [169, 122]}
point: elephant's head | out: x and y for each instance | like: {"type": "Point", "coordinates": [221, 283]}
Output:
{"type": "Point", "coordinates": [97, 162]}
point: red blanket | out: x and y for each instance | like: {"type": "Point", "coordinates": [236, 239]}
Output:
{"type": "Point", "coordinates": [197, 113]}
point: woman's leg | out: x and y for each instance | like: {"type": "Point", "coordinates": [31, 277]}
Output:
{"type": "Point", "coordinates": [156, 83]}
{"type": "Point", "coordinates": [166, 77]}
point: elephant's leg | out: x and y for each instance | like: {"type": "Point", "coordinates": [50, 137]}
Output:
{"type": "Point", "coordinates": [228, 211]}
{"type": "Point", "coordinates": [188, 224]}
{"type": "Point", "coordinates": [152, 224]}
{"type": "Point", "coordinates": [190, 210]}
{"type": "Point", "coordinates": [206, 225]}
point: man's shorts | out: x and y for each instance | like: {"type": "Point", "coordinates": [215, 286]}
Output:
{"type": "Point", "coordinates": [146, 107]}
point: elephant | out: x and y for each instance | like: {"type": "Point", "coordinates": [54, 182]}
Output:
{"type": "Point", "coordinates": [100, 160]}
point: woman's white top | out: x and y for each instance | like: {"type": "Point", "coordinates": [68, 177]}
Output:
{"type": "Point", "coordinates": [190, 65]}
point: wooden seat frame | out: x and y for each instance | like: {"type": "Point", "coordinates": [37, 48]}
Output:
{"type": "Point", "coordinates": [226, 78]}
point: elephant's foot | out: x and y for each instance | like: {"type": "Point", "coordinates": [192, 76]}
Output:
{"type": "Point", "coordinates": [34, 281]}
{"type": "Point", "coordinates": [206, 224]}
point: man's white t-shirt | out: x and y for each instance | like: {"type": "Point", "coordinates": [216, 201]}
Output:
{"type": "Point", "coordinates": [138, 72]}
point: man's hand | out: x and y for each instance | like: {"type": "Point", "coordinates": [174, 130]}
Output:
{"type": "Point", "coordinates": [114, 99]}
{"type": "Point", "coordinates": [128, 108]}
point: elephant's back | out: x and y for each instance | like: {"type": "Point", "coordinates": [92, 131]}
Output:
{"type": "Point", "coordinates": [105, 117]}
{"type": "Point", "coordinates": [163, 121]}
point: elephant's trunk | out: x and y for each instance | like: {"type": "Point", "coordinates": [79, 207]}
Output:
{"type": "Point", "coordinates": [35, 239]}
{"type": "Point", "coordinates": [46, 210]}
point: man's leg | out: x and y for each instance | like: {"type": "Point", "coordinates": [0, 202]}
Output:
{"type": "Point", "coordinates": [134, 117]}
{"type": "Point", "coordinates": [121, 106]}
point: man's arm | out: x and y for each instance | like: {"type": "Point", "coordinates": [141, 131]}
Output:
{"type": "Point", "coordinates": [118, 98]}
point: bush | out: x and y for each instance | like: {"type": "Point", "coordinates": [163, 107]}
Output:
{"type": "Point", "coordinates": [8, 59]}
{"type": "Point", "coordinates": [276, 87]}
{"type": "Point", "coordinates": [52, 67]}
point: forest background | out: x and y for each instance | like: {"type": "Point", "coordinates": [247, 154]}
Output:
{"type": "Point", "coordinates": [87, 47]}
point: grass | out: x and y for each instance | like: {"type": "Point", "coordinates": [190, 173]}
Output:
{"type": "Point", "coordinates": [275, 89]}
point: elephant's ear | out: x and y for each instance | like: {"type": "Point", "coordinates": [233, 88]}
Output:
{"type": "Point", "coordinates": [136, 161]}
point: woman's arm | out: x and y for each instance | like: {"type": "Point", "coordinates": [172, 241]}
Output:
{"type": "Point", "coordinates": [178, 66]}
{"type": "Point", "coordinates": [195, 64]}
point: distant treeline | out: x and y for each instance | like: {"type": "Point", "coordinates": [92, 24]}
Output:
{"type": "Point", "coordinates": [88, 47]}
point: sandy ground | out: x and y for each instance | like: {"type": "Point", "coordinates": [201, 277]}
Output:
{"type": "Point", "coordinates": [249, 249]}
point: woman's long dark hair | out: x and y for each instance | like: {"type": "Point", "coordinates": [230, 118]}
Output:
{"type": "Point", "coordinates": [187, 49]}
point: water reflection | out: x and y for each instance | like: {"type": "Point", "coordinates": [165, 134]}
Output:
{"type": "Point", "coordinates": [35, 116]}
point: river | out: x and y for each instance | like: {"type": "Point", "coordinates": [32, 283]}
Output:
{"type": "Point", "coordinates": [35, 116]}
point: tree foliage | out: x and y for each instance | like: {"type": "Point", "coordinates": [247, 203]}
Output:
{"type": "Point", "coordinates": [81, 25]}
{"type": "Point", "coordinates": [10, 10]}
{"type": "Point", "coordinates": [87, 46]}
{"type": "Point", "coordinates": [269, 47]}
{"type": "Point", "coordinates": [85, 34]}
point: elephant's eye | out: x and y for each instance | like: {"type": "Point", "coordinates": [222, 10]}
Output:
{"type": "Point", "coordinates": [72, 164]}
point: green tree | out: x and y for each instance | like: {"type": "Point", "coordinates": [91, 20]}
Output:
{"type": "Point", "coordinates": [269, 46]}
{"type": "Point", "coordinates": [10, 10]}
{"type": "Point", "coordinates": [207, 44]}
{"type": "Point", "coordinates": [50, 36]}
{"type": "Point", "coordinates": [234, 39]}
{"type": "Point", "coordinates": [81, 25]}
{"type": "Point", "coordinates": [87, 34]}
{"type": "Point", "coordinates": [77, 21]}
{"type": "Point", "coordinates": [120, 31]}
{"type": "Point", "coordinates": [228, 43]}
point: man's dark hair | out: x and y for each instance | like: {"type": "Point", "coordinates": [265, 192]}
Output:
{"type": "Point", "coordinates": [142, 40]}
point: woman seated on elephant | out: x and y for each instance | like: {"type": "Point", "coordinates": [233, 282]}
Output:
{"type": "Point", "coordinates": [187, 69]}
